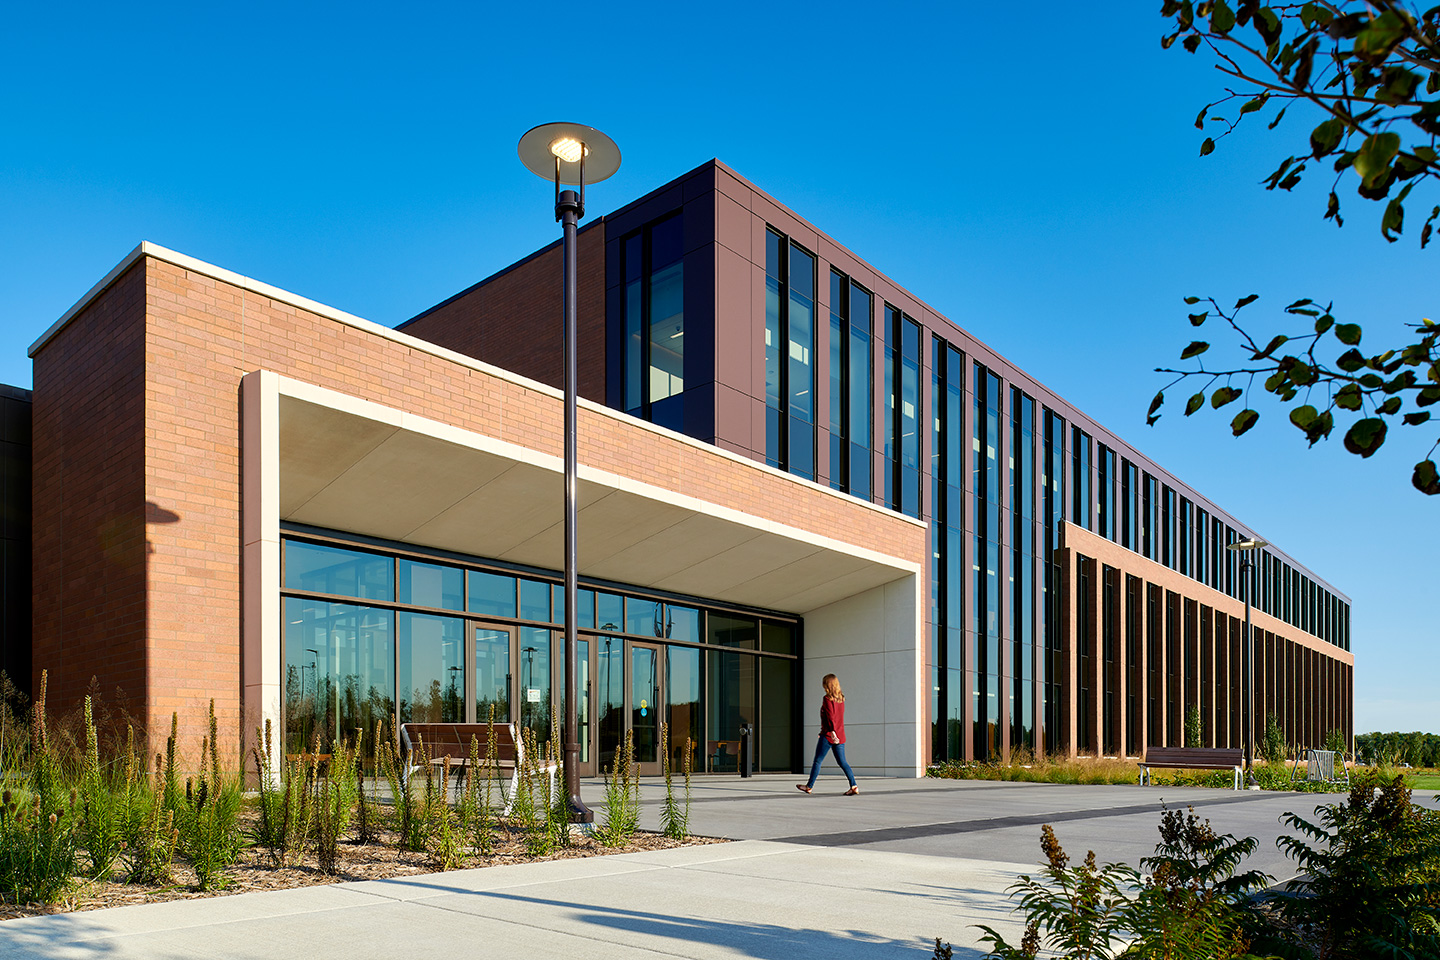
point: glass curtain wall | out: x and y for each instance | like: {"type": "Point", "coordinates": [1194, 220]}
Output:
{"type": "Point", "coordinates": [947, 522]}
{"type": "Point", "coordinates": [789, 356]}
{"type": "Point", "coordinates": [654, 309]}
{"type": "Point", "coordinates": [1052, 510]}
{"type": "Point", "coordinates": [987, 492]}
{"type": "Point", "coordinates": [851, 386]}
{"type": "Point", "coordinates": [1022, 570]}
{"type": "Point", "coordinates": [359, 655]}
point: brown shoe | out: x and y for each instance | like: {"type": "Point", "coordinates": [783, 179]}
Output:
{"type": "Point", "coordinates": [853, 791]}
{"type": "Point", "coordinates": [802, 788]}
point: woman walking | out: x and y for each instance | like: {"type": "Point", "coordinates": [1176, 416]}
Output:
{"type": "Point", "coordinates": [832, 734]}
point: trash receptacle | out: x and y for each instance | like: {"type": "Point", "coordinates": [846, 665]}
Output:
{"type": "Point", "coordinates": [747, 749]}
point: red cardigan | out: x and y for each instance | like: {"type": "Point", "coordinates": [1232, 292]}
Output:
{"type": "Point", "coordinates": [832, 718]}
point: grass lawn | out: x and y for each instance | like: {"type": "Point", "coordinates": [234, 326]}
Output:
{"type": "Point", "coordinates": [1428, 780]}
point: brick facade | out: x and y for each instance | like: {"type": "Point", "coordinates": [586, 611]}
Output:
{"type": "Point", "coordinates": [165, 624]}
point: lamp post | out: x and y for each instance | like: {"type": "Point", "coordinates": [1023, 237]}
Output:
{"type": "Point", "coordinates": [1247, 577]}
{"type": "Point", "coordinates": [570, 153]}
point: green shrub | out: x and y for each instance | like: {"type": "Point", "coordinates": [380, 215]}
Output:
{"type": "Point", "coordinates": [1272, 742]}
{"type": "Point", "coordinates": [1194, 731]}
{"type": "Point", "coordinates": [1190, 907]}
{"type": "Point", "coordinates": [1372, 864]}
{"type": "Point", "coordinates": [408, 800]}
{"type": "Point", "coordinates": [483, 825]}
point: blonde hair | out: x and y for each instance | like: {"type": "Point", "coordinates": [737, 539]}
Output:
{"type": "Point", "coordinates": [831, 683]}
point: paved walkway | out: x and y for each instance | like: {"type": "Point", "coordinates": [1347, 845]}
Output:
{"type": "Point", "coordinates": [823, 876]}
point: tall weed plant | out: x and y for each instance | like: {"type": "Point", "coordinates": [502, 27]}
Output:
{"type": "Point", "coordinates": [336, 789]}
{"type": "Point", "coordinates": [622, 797]}
{"type": "Point", "coordinates": [209, 812]}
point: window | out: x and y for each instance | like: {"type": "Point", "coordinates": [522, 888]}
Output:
{"type": "Point", "coordinates": [789, 356]}
{"type": "Point", "coordinates": [851, 386]}
{"type": "Point", "coordinates": [654, 310]}
{"type": "Point", "coordinates": [1080, 462]}
{"type": "Point", "coordinates": [902, 428]}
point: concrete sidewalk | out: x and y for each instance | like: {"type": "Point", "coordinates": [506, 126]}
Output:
{"type": "Point", "coordinates": [823, 876]}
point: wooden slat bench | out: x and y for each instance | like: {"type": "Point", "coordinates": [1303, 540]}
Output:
{"type": "Point", "coordinates": [1192, 758]}
{"type": "Point", "coordinates": [452, 740]}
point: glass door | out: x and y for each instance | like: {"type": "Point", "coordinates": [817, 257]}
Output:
{"type": "Point", "coordinates": [644, 707]}
{"type": "Point", "coordinates": [493, 678]}
{"type": "Point", "coordinates": [609, 698]}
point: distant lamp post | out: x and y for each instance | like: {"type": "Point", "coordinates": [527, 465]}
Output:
{"type": "Point", "coordinates": [570, 153]}
{"type": "Point", "coordinates": [1247, 585]}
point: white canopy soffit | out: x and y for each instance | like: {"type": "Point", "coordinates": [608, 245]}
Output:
{"type": "Point", "coordinates": [355, 466]}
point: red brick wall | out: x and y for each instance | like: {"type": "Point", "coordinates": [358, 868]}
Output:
{"type": "Point", "coordinates": [514, 319]}
{"type": "Point", "coordinates": [89, 542]}
{"type": "Point", "coordinates": [200, 336]}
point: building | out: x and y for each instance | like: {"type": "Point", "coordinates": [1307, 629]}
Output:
{"type": "Point", "coordinates": [789, 466]}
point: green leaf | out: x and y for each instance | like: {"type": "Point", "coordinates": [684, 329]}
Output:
{"type": "Point", "coordinates": [1200, 117]}
{"type": "Point", "coordinates": [1268, 25]}
{"type": "Point", "coordinates": [1222, 19]}
{"type": "Point", "coordinates": [1348, 397]}
{"type": "Point", "coordinates": [1192, 300]}
{"type": "Point", "coordinates": [1393, 221]}
{"type": "Point", "coordinates": [1415, 419]}
{"type": "Point", "coordinates": [1253, 104]}
{"type": "Point", "coordinates": [1207, 148]}
{"type": "Point", "coordinates": [1326, 137]}
{"type": "Point", "coordinates": [1243, 301]}
{"type": "Point", "coordinates": [1389, 407]}
{"type": "Point", "coordinates": [1350, 361]}
{"type": "Point", "coordinates": [1313, 15]}
{"type": "Point", "coordinates": [1198, 318]}
{"type": "Point", "coordinates": [1159, 399]}
{"type": "Point", "coordinates": [1365, 436]}
{"type": "Point", "coordinates": [1222, 396]}
{"type": "Point", "coordinates": [1275, 343]}
{"type": "Point", "coordinates": [1302, 417]}
{"type": "Point", "coordinates": [1243, 421]}
{"type": "Point", "coordinates": [1371, 382]}
{"type": "Point", "coordinates": [1324, 323]}
{"type": "Point", "coordinates": [1348, 333]}
{"type": "Point", "coordinates": [1332, 210]}
{"type": "Point", "coordinates": [1372, 160]}
{"type": "Point", "coordinates": [1425, 478]}
{"type": "Point", "coordinates": [1380, 36]}
{"type": "Point", "coordinates": [1196, 348]}
{"type": "Point", "coordinates": [1298, 304]}
{"type": "Point", "coordinates": [1195, 403]}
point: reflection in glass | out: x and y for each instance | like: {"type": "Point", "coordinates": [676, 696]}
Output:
{"type": "Point", "coordinates": [491, 594]}
{"type": "Point", "coordinates": [644, 617]}
{"type": "Point", "coordinates": [582, 690]}
{"type": "Point", "coordinates": [349, 573]}
{"type": "Point", "coordinates": [339, 671]}
{"type": "Point", "coordinates": [682, 693]}
{"type": "Point", "coordinates": [431, 585]}
{"type": "Point", "coordinates": [645, 703]}
{"type": "Point", "coordinates": [431, 668]}
{"type": "Point", "coordinates": [776, 732]}
{"type": "Point", "coordinates": [492, 674]}
{"type": "Point", "coordinates": [731, 696]}
{"type": "Point", "coordinates": [730, 631]}
{"type": "Point", "coordinates": [535, 600]}
{"type": "Point", "coordinates": [610, 672]}
{"type": "Point", "coordinates": [777, 637]}
{"type": "Point", "coordinates": [535, 691]}
{"type": "Point", "coordinates": [609, 611]}
{"type": "Point", "coordinates": [682, 623]}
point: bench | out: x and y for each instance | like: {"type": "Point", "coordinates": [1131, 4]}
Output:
{"type": "Point", "coordinates": [440, 741]}
{"type": "Point", "coordinates": [1192, 758]}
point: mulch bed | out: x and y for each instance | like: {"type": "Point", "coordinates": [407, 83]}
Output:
{"type": "Point", "coordinates": [256, 870]}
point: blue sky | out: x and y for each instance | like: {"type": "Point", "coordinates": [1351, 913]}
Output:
{"type": "Point", "coordinates": [1032, 175]}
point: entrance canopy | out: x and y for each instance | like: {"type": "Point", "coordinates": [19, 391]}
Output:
{"type": "Point", "coordinates": [351, 465]}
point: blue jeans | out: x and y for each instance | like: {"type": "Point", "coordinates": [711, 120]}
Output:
{"type": "Point", "coordinates": [820, 749]}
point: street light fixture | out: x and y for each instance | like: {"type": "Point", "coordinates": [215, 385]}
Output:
{"type": "Point", "coordinates": [1247, 585]}
{"type": "Point", "coordinates": [571, 154]}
